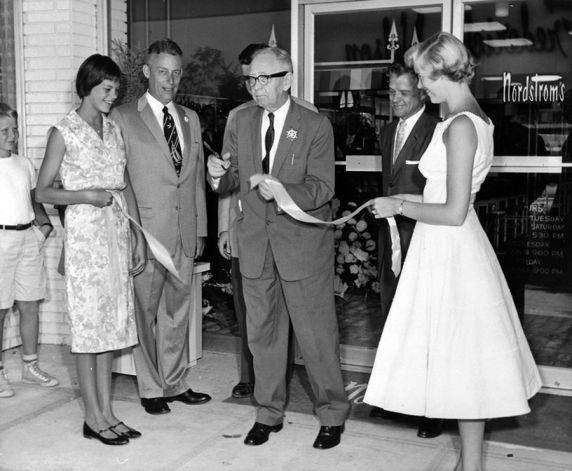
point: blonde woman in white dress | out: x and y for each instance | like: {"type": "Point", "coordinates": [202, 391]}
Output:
{"type": "Point", "coordinates": [453, 346]}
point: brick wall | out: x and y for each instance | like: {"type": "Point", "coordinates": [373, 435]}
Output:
{"type": "Point", "coordinates": [57, 35]}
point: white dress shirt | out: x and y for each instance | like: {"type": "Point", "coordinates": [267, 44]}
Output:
{"type": "Point", "coordinates": [279, 120]}
{"type": "Point", "coordinates": [409, 123]}
{"type": "Point", "coordinates": [157, 108]}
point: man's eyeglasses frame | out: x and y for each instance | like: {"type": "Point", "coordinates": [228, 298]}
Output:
{"type": "Point", "coordinates": [262, 79]}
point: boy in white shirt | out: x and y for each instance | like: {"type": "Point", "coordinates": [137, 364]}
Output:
{"type": "Point", "coordinates": [24, 225]}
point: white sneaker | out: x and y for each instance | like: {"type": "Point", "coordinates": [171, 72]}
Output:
{"type": "Point", "coordinates": [5, 389]}
{"type": "Point", "coordinates": [33, 374]}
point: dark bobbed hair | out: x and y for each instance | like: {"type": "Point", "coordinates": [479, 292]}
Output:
{"type": "Point", "coordinates": [245, 57]}
{"type": "Point", "coordinates": [165, 45]}
{"type": "Point", "coordinates": [398, 69]}
{"type": "Point", "coordinates": [6, 111]}
{"type": "Point", "coordinates": [443, 55]}
{"type": "Point", "coordinates": [94, 70]}
{"type": "Point", "coordinates": [281, 56]}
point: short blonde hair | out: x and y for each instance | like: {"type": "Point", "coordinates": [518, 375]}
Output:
{"type": "Point", "coordinates": [444, 55]}
{"type": "Point", "coordinates": [6, 111]}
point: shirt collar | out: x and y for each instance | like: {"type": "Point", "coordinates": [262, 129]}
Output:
{"type": "Point", "coordinates": [156, 105]}
{"type": "Point", "coordinates": [280, 113]}
{"type": "Point", "coordinates": [411, 120]}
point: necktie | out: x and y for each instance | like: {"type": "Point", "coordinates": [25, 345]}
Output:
{"type": "Point", "coordinates": [170, 131]}
{"type": "Point", "coordinates": [399, 139]}
{"type": "Point", "coordinates": [268, 140]}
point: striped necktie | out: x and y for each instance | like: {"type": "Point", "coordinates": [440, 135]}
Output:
{"type": "Point", "coordinates": [170, 131]}
{"type": "Point", "coordinates": [399, 139]}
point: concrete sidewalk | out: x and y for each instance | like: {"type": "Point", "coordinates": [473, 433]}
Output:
{"type": "Point", "coordinates": [40, 429]}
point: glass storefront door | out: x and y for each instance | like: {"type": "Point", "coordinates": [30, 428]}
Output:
{"type": "Point", "coordinates": [523, 82]}
{"type": "Point", "coordinates": [346, 49]}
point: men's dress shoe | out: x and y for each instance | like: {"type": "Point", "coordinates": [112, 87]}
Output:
{"type": "Point", "coordinates": [88, 432]}
{"type": "Point", "coordinates": [329, 436]}
{"type": "Point", "coordinates": [155, 405]}
{"type": "Point", "coordinates": [127, 432]}
{"type": "Point", "coordinates": [259, 433]}
{"type": "Point", "coordinates": [190, 397]}
{"type": "Point", "coordinates": [430, 428]}
{"type": "Point", "coordinates": [242, 390]}
{"type": "Point", "coordinates": [379, 413]}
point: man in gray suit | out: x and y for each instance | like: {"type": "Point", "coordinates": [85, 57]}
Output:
{"type": "Point", "coordinates": [228, 246]}
{"type": "Point", "coordinates": [286, 265]}
{"type": "Point", "coordinates": [165, 161]}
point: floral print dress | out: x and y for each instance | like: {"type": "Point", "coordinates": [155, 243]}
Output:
{"type": "Point", "coordinates": [99, 288]}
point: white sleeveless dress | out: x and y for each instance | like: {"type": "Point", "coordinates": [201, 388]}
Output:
{"type": "Point", "coordinates": [453, 346]}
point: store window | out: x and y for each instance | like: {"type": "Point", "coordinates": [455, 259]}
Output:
{"type": "Point", "coordinates": [524, 83]}
{"type": "Point", "coordinates": [346, 75]}
{"type": "Point", "coordinates": [7, 62]}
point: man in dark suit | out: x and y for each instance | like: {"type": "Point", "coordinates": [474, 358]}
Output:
{"type": "Point", "coordinates": [287, 266]}
{"type": "Point", "coordinates": [165, 161]}
{"type": "Point", "coordinates": [403, 142]}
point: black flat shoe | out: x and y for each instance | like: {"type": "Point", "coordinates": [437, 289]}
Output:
{"type": "Point", "coordinates": [430, 428]}
{"type": "Point", "coordinates": [329, 436]}
{"type": "Point", "coordinates": [190, 397]}
{"type": "Point", "coordinates": [242, 390]}
{"type": "Point", "coordinates": [155, 405]}
{"type": "Point", "coordinates": [88, 432]}
{"type": "Point", "coordinates": [129, 433]}
{"type": "Point", "coordinates": [259, 433]}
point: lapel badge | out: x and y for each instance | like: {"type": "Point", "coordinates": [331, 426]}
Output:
{"type": "Point", "coordinates": [292, 134]}
{"type": "Point", "coordinates": [186, 118]}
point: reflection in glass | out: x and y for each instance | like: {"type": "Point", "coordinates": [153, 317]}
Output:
{"type": "Point", "coordinates": [523, 83]}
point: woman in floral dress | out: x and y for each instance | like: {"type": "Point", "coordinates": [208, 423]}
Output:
{"type": "Point", "coordinates": [86, 149]}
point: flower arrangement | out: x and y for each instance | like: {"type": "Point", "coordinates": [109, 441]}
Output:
{"type": "Point", "coordinates": [356, 253]}
{"type": "Point", "coordinates": [217, 286]}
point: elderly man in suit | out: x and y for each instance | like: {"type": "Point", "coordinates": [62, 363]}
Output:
{"type": "Point", "coordinates": [165, 161]}
{"type": "Point", "coordinates": [403, 142]}
{"type": "Point", "coordinates": [227, 243]}
{"type": "Point", "coordinates": [286, 265]}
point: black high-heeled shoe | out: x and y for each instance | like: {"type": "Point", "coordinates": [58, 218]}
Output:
{"type": "Point", "coordinates": [130, 433]}
{"type": "Point", "coordinates": [88, 432]}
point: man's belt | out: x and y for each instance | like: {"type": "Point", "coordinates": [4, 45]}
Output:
{"type": "Point", "coordinates": [17, 227]}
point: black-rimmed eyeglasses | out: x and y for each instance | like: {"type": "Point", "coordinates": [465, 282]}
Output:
{"type": "Point", "coordinates": [262, 79]}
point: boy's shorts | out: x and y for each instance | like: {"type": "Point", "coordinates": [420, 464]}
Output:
{"type": "Point", "coordinates": [22, 274]}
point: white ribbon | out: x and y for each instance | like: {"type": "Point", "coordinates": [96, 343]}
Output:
{"type": "Point", "coordinates": [157, 248]}
{"type": "Point", "coordinates": [287, 204]}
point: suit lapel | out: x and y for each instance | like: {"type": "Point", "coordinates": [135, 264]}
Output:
{"type": "Point", "coordinates": [149, 119]}
{"type": "Point", "coordinates": [185, 128]}
{"type": "Point", "coordinates": [285, 143]}
{"type": "Point", "coordinates": [405, 151]}
{"type": "Point", "coordinates": [386, 147]}
{"type": "Point", "coordinates": [256, 139]}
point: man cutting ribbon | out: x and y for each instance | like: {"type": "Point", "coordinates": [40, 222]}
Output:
{"type": "Point", "coordinates": [286, 265]}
